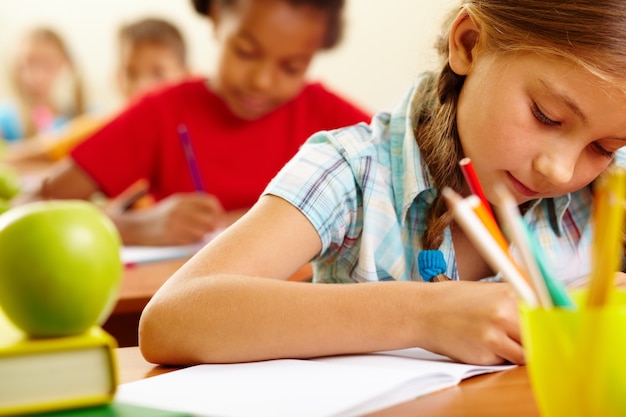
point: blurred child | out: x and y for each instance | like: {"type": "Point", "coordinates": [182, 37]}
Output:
{"type": "Point", "coordinates": [243, 123]}
{"type": "Point", "coordinates": [48, 88]}
{"type": "Point", "coordinates": [152, 52]}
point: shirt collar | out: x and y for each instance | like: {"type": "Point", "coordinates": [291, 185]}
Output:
{"type": "Point", "coordinates": [409, 174]}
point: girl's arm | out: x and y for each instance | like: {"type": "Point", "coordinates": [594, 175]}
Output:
{"type": "Point", "coordinates": [221, 306]}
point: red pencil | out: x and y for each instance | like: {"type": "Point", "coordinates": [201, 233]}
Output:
{"type": "Point", "coordinates": [472, 181]}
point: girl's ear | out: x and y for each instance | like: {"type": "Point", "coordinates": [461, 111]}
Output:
{"type": "Point", "coordinates": [463, 38]}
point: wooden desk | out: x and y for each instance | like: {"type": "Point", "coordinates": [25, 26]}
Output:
{"type": "Point", "coordinates": [139, 284]}
{"type": "Point", "coordinates": [505, 393]}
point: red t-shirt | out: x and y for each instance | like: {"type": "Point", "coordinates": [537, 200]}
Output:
{"type": "Point", "coordinates": [236, 158]}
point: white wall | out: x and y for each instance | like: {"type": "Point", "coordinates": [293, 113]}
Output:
{"type": "Point", "coordinates": [387, 42]}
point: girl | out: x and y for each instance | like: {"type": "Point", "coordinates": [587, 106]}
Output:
{"type": "Point", "coordinates": [48, 88]}
{"type": "Point", "coordinates": [244, 123]}
{"type": "Point", "coordinates": [534, 97]}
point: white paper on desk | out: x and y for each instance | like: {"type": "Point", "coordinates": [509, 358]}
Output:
{"type": "Point", "coordinates": [341, 386]}
{"type": "Point", "coordinates": [144, 254]}
{"type": "Point", "coordinates": [132, 255]}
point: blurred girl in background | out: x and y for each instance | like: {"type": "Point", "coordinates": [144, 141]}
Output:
{"type": "Point", "coordinates": [48, 90]}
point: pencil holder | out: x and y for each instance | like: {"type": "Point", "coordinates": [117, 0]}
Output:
{"type": "Point", "coordinates": [576, 359]}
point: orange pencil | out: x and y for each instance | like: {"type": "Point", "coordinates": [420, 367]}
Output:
{"type": "Point", "coordinates": [485, 216]}
{"type": "Point", "coordinates": [126, 198]}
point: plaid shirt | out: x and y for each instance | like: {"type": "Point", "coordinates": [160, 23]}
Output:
{"type": "Point", "coordinates": [366, 190]}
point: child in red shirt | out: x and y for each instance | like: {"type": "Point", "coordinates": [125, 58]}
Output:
{"type": "Point", "coordinates": [244, 124]}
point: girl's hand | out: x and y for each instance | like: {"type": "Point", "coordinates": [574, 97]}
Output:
{"type": "Point", "coordinates": [474, 322]}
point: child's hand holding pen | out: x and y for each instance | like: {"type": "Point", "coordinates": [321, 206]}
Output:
{"type": "Point", "coordinates": [180, 219]}
{"type": "Point", "coordinates": [473, 322]}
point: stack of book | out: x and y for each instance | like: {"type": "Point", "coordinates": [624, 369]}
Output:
{"type": "Point", "coordinates": [46, 374]}
{"type": "Point", "coordinates": [61, 376]}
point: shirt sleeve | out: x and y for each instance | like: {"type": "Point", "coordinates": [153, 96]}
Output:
{"type": "Point", "coordinates": [123, 150]}
{"type": "Point", "coordinates": [320, 183]}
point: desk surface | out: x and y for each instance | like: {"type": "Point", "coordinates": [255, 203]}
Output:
{"type": "Point", "coordinates": [492, 395]}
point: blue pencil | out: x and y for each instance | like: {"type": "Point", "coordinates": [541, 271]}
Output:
{"type": "Point", "coordinates": [183, 134]}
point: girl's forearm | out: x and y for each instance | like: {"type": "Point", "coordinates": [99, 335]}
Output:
{"type": "Point", "coordinates": [220, 319]}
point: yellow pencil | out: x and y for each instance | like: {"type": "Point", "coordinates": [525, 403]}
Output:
{"type": "Point", "coordinates": [608, 218]}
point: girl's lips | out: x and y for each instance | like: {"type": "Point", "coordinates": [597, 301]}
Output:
{"type": "Point", "coordinates": [521, 188]}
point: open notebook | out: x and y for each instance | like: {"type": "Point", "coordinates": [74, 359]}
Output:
{"type": "Point", "coordinates": [334, 386]}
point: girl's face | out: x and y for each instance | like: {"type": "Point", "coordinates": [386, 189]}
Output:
{"type": "Point", "coordinates": [265, 48]}
{"type": "Point", "coordinates": [145, 65]}
{"type": "Point", "coordinates": [38, 66]}
{"type": "Point", "coordinates": [541, 126]}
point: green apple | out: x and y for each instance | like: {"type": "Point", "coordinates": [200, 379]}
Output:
{"type": "Point", "coordinates": [4, 205]}
{"type": "Point", "coordinates": [10, 183]}
{"type": "Point", "coordinates": [60, 266]}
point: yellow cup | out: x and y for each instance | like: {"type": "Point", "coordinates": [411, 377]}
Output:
{"type": "Point", "coordinates": [576, 359]}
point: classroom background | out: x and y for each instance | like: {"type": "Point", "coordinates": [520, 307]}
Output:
{"type": "Point", "coordinates": [382, 51]}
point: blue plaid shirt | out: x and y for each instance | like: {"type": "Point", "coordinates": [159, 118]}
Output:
{"type": "Point", "coordinates": [367, 191]}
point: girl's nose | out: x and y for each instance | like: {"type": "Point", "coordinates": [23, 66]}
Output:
{"type": "Point", "coordinates": [557, 164]}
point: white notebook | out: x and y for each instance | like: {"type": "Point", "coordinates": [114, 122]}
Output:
{"type": "Point", "coordinates": [338, 386]}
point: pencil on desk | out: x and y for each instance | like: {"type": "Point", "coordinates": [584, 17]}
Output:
{"type": "Point", "coordinates": [608, 218]}
{"type": "Point", "coordinates": [485, 243]}
{"type": "Point", "coordinates": [190, 156]}
{"type": "Point", "coordinates": [472, 181]}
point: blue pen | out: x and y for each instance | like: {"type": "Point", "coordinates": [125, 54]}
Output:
{"type": "Point", "coordinates": [183, 134]}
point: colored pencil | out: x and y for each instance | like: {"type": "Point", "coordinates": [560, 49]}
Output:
{"type": "Point", "coordinates": [510, 217]}
{"type": "Point", "coordinates": [608, 219]}
{"type": "Point", "coordinates": [487, 245]}
{"type": "Point", "coordinates": [128, 197]}
{"type": "Point", "coordinates": [190, 156]}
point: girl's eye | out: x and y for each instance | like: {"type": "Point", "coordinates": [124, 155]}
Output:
{"type": "Point", "coordinates": [244, 53]}
{"type": "Point", "coordinates": [600, 150]}
{"type": "Point", "coordinates": [293, 70]}
{"type": "Point", "coordinates": [542, 117]}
